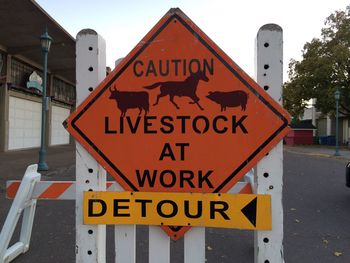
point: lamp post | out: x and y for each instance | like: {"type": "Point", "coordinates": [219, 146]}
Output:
{"type": "Point", "coordinates": [45, 40]}
{"type": "Point", "coordinates": [337, 97]}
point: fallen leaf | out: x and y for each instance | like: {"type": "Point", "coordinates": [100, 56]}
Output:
{"type": "Point", "coordinates": [209, 248]}
{"type": "Point", "coordinates": [337, 254]}
{"type": "Point", "coordinates": [297, 220]}
{"type": "Point", "coordinates": [325, 241]}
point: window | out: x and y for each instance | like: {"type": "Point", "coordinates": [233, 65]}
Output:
{"type": "Point", "coordinates": [20, 72]}
{"type": "Point", "coordinates": [63, 91]}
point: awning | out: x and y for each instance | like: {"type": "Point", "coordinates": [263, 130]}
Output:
{"type": "Point", "coordinates": [22, 22]}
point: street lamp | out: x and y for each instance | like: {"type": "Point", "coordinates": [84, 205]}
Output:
{"type": "Point", "coordinates": [337, 97]}
{"type": "Point", "coordinates": [45, 40]}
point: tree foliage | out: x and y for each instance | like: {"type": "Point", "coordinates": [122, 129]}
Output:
{"type": "Point", "coordinates": [324, 68]}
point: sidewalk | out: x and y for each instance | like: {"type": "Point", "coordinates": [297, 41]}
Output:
{"type": "Point", "coordinates": [60, 159]}
{"type": "Point", "coordinates": [320, 150]}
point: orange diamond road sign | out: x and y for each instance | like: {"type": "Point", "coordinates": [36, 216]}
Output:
{"type": "Point", "coordinates": [178, 115]}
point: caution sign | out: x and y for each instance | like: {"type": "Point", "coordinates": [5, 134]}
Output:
{"type": "Point", "coordinates": [178, 115]}
{"type": "Point", "coordinates": [243, 211]}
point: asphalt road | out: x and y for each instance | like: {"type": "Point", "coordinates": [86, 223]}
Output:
{"type": "Point", "coordinates": [316, 215]}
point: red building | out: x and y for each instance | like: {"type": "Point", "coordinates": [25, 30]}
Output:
{"type": "Point", "coordinates": [301, 133]}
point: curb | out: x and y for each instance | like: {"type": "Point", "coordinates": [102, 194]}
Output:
{"type": "Point", "coordinates": [322, 155]}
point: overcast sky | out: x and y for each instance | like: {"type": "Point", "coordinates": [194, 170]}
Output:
{"type": "Point", "coordinates": [232, 25]}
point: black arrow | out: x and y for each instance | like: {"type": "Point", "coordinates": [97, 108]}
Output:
{"type": "Point", "coordinates": [250, 211]}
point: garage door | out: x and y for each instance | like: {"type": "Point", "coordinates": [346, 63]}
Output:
{"type": "Point", "coordinates": [24, 123]}
{"type": "Point", "coordinates": [59, 135]}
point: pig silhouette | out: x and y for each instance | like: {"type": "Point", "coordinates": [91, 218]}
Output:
{"type": "Point", "coordinates": [229, 99]}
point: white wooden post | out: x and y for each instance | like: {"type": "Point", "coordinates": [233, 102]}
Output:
{"type": "Point", "coordinates": [269, 172]}
{"type": "Point", "coordinates": [90, 176]}
{"type": "Point", "coordinates": [125, 243]}
{"type": "Point", "coordinates": [195, 245]}
{"type": "Point", "coordinates": [159, 245]}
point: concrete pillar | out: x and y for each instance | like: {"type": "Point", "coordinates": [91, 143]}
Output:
{"type": "Point", "coordinates": [329, 126]}
{"type": "Point", "coordinates": [345, 130]}
{"type": "Point", "coordinates": [4, 108]}
{"type": "Point", "coordinates": [3, 116]}
{"type": "Point", "coordinates": [49, 112]}
{"type": "Point", "coordinates": [313, 115]}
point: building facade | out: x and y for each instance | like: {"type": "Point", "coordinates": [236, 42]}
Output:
{"type": "Point", "coordinates": [326, 125]}
{"type": "Point", "coordinates": [22, 23]}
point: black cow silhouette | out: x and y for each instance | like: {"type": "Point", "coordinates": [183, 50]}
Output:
{"type": "Point", "coordinates": [186, 88]}
{"type": "Point", "coordinates": [230, 99]}
{"type": "Point", "coordinates": [130, 100]}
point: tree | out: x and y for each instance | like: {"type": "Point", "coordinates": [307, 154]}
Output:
{"type": "Point", "coordinates": [324, 68]}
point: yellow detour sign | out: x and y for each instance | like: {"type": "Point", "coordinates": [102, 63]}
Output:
{"type": "Point", "coordinates": [244, 211]}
